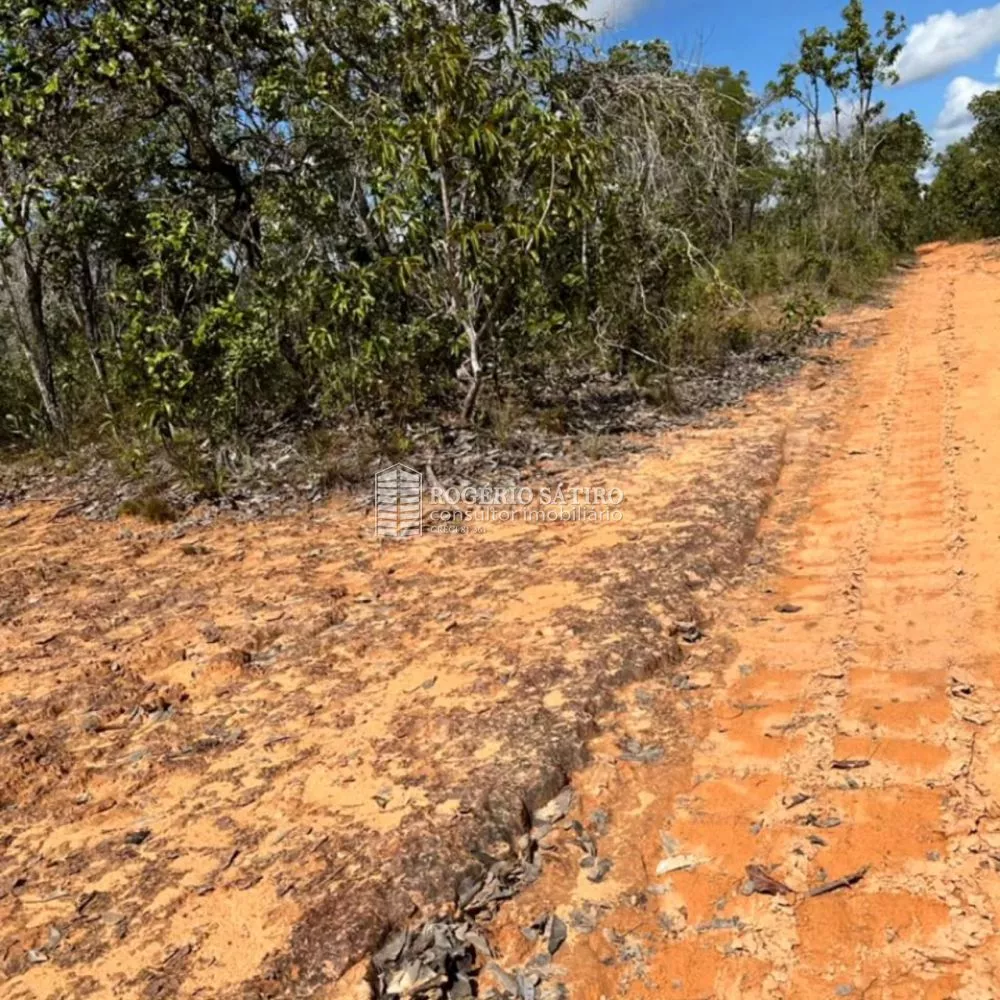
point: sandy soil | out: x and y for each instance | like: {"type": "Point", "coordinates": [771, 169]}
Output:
{"type": "Point", "coordinates": [856, 735]}
{"type": "Point", "coordinates": [235, 755]}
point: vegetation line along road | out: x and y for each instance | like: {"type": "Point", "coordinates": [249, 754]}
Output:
{"type": "Point", "coordinates": [222, 221]}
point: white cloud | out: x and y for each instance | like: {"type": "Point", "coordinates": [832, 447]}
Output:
{"type": "Point", "coordinates": [955, 120]}
{"type": "Point", "coordinates": [945, 40]}
{"type": "Point", "coordinates": [788, 140]}
{"type": "Point", "coordinates": [607, 14]}
{"type": "Point", "coordinates": [611, 13]}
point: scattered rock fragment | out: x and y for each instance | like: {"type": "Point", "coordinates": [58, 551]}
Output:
{"type": "Point", "coordinates": [960, 689]}
{"type": "Point", "coordinates": [687, 631]}
{"type": "Point", "coordinates": [822, 822]}
{"type": "Point", "coordinates": [600, 870]}
{"type": "Point", "coordinates": [678, 863]}
{"type": "Point", "coordinates": [584, 839]}
{"type": "Point", "coordinates": [761, 882]}
{"type": "Point", "coordinates": [599, 821]}
{"type": "Point", "coordinates": [556, 809]}
{"type": "Point", "coordinates": [557, 934]}
{"type": "Point", "coordinates": [438, 957]}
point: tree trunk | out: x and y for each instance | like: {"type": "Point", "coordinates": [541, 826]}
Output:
{"type": "Point", "coordinates": [23, 280]}
{"type": "Point", "coordinates": [476, 370]}
{"type": "Point", "coordinates": [89, 311]}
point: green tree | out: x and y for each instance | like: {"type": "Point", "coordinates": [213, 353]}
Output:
{"type": "Point", "coordinates": [216, 215]}
{"type": "Point", "coordinates": [959, 199]}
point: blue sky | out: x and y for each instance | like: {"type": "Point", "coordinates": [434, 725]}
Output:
{"type": "Point", "coordinates": [950, 53]}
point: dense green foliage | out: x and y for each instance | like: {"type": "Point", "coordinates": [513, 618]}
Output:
{"type": "Point", "coordinates": [220, 214]}
{"type": "Point", "coordinates": [963, 200]}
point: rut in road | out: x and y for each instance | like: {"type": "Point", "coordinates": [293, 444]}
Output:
{"type": "Point", "coordinates": [856, 736]}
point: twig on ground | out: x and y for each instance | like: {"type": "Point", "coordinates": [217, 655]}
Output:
{"type": "Point", "coordinates": [840, 883]}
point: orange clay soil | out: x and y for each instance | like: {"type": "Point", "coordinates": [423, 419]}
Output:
{"type": "Point", "coordinates": [885, 534]}
{"type": "Point", "coordinates": [234, 755]}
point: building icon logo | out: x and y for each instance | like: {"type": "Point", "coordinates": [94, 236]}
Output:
{"type": "Point", "coordinates": [398, 502]}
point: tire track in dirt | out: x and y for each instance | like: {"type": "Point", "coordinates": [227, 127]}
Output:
{"type": "Point", "coordinates": [888, 667]}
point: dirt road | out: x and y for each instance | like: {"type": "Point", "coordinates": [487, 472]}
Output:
{"type": "Point", "coordinates": [235, 755]}
{"type": "Point", "coordinates": [853, 730]}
